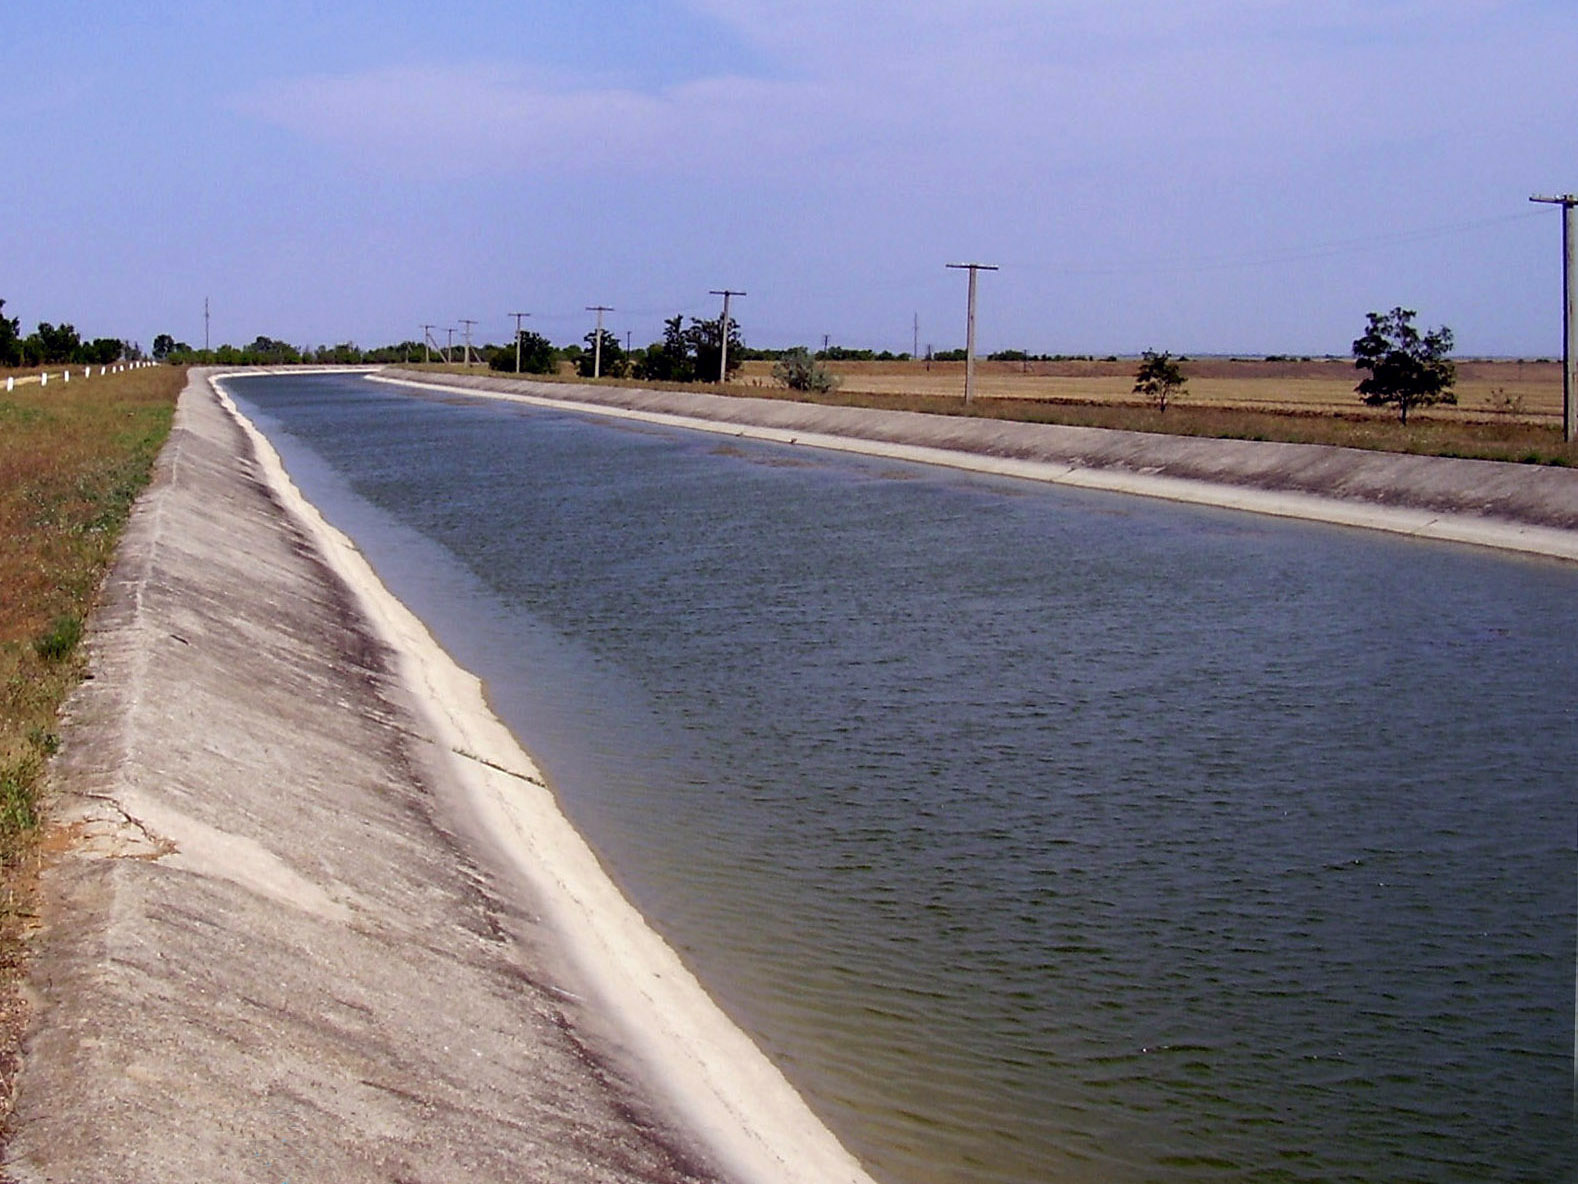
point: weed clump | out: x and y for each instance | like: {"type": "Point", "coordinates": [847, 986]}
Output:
{"type": "Point", "coordinates": [60, 642]}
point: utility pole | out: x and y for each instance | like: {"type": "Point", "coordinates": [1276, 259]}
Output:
{"type": "Point", "coordinates": [205, 324]}
{"type": "Point", "coordinates": [428, 344]}
{"type": "Point", "coordinates": [468, 323]}
{"type": "Point", "coordinates": [449, 349]}
{"type": "Point", "coordinates": [915, 347]}
{"type": "Point", "coordinates": [1569, 321]}
{"type": "Point", "coordinates": [723, 337]}
{"type": "Point", "coordinates": [518, 316]}
{"type": "Point", "coordinates": [597, 342]}
{"type": "Point", "coordinates": [969, 334]}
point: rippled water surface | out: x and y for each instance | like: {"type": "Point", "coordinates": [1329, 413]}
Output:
{"type": "Point", "coordinates": [1039, 835]}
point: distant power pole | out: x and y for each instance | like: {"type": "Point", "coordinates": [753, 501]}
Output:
{"type": "Point", "coordinates": [597, 342]}
{"type": "Point", "coordinates": [1569, 313]}
{"type": "Point", "coordinates": [468, 324]}
{"type": "Point", "coordinates": [518, 316]}
{"type": "Point", "coordinates": [723, 337]}
{"type": "Point", "coordinates": [915, 348]}
{"type": "Point", "coordinates": [205, 324]}
{"type": "Point", "coordinates": [449, 349]}
{"type": "Point", "coordinates": [969, 333]}
{"type": "Point", "coordinates": [428, 344]}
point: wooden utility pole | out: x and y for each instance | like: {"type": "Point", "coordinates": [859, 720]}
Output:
{"type": "Point", "coordinates": [969, 331]}
{"type": "Point", "coordinates": [597, 342]}
{"type": "Point", "coordinates": [1569, 312]}
{"type": "Point", "coordinates": [518, 316]}
{"type": "Point", "coordinates": [723, 337]}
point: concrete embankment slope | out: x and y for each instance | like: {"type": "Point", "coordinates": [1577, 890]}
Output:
{"type": "Point", "coordinates": [1515, 507]}
{"type": "Point", "coordinates": [278, 940]}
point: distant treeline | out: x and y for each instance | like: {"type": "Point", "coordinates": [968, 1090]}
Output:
{"type": "Point", "coordinates": [57, 345]}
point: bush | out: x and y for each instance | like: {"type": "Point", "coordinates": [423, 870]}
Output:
{"type": "Point", "coordinates": [799, 371]}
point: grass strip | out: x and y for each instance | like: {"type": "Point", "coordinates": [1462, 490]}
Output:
{"type": "Point", "coordinates": [73, 458]}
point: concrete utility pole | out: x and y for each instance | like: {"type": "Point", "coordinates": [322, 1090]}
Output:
{"type": "Point", "coordinates": [518, 316]}
{"type": "Point", "coordinates": [1569, 313]}
{"type": "Point", "coordinates": [723, 337]}
{"type": "Point", "coordinates": [428, 344]}
{"type": "Point", "coordinates": [969, 333]}
{"type": "Point", "coordinates": [597, 342]}
{"type": "Point", "coordinates": [205, 324]}
{"type": "Point", "coordinates": [468, 324]}
{"type": "Point", "coordinates": [915, 347]}
{"type": "Point", "coordinates": [449, 349]}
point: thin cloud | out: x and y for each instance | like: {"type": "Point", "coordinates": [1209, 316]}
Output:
{"type": "Point", "coordinates": [480, 118]}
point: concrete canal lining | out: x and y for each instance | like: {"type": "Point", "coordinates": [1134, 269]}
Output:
{"type": "Point", "coordinates": [1514, 507]}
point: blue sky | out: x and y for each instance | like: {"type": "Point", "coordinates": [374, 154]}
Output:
{"type": "Point", "coordinates": [1217, 176]}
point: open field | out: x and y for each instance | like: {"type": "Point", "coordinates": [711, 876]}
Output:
{"type": "Point", "coordinates": [1507, 410]}
{"type": "Point", "coordinates": [1496, 390]}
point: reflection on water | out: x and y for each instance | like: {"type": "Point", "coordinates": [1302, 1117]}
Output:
{"type": "Point", "coordinates": [1037, 834]}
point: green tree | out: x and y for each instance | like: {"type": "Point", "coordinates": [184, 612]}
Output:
{"type": "Point", "coordinates": [163, 347]}
{"type": "Point", "coordinates": [668, 360]}
{"type": "Point", "coordinates": [612, 356]}
{"type": "Point", "coordinates": [799, 371]}
{"type": "Point", "coordinates": [705, 339]}
{"type": "Point", "coordinates": [51, 345]}
{"type": "Point", "coordinates": [1159, 378]}
{"type": "Point", "coordinates": [1406, 369]}
{"type": "Point", "coordinates": [537, 355]}
{"type": "Point", "coordinates": [101, 351]}
{"type": "Point", "coordinates": [10, 341]}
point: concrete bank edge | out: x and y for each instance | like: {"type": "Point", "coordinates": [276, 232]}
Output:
{"type": "Point", "coordinates": [1502, 505]}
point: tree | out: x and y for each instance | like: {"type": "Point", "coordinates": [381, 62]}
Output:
{"type": "Point", "coordinates": [611, 355]}
{"type": "Point", "coordinates": [1159, 379]}
{"type": "Point", "coordinates": [163, 347]}
{"type": "Point", "coordinates": [50, 346]}
{"type": "Point", "coordinates": [668, 360]}
{"type": "Point", "coordinates": [799, 371]}
{"type": "Point", "coordinates": [705, 339]}
{"type": "Point", "coordinates": [536, 353]}
{"type": "Point", "coordinates": [101, 351]}
{"type": "Point", "coordinates": [10, 342]}
{"type": "Point", "coordinates": [1405, 369]}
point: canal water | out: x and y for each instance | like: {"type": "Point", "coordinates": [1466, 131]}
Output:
{"type": "Point", "coordinates": [1039, 835]}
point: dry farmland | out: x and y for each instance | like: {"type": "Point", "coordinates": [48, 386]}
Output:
{"type": "Point", "coordinates": [1494, 391]}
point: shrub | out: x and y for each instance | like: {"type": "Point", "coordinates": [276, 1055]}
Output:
{"type": "Point", "coordinates": [799, 371]}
